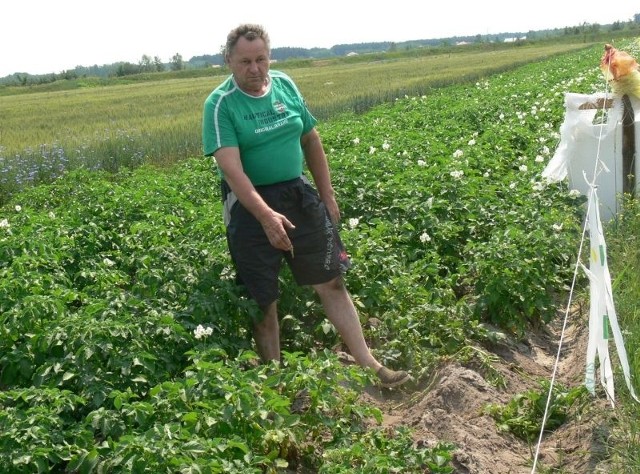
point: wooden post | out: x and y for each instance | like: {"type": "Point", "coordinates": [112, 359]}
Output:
{"type": "Point", "coordinates": [628, 147]}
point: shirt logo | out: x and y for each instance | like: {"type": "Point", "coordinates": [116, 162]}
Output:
{"type": "Point", "coordinates": [279, 106]}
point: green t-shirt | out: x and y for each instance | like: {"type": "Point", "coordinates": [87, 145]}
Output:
{"type": "Point", "coordinates": [266, 129]}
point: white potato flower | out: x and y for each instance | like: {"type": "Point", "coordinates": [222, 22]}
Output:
{"type": "Point", "coordinates": [538, 186]}
{"type": "Point", "coordinates": [424, 238]}
{"type": "Point", "coordinates": [201, 331]}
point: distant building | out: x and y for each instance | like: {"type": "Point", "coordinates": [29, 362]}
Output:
{"type": "Point", "coordinates": [352, 53]}
{"type": "Point", "coordinates": [513, 40]}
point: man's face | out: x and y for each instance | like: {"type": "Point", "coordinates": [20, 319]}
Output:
{"type": "Point", "coordinates": [249, 63]}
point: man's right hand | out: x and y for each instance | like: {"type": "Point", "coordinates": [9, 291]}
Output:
{"type": "Point", "coordinates": [276, 225]}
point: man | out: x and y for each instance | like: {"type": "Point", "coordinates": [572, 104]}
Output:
{"type": "Point", "coordinates": [258, 128]}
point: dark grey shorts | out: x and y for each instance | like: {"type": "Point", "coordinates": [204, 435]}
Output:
{"type": "Point", "coordinates": [319, 255]}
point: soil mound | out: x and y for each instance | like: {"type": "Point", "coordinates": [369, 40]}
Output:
{"type": "Point", "coordinates": [451, 407]}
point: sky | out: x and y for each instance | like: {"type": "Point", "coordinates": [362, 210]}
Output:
{"type": "Point", "coordinates": [45, 36]}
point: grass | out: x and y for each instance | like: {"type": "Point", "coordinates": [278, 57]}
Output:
{"type": "Point", "coordinates": [43, 134]}
{"type": "Point", "coordinates": [624, 245]}
{"type": "Point", "coordinates": [338, 88]}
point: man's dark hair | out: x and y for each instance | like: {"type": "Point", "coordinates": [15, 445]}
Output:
{"type": "Point", "coordinates": [248, 31]}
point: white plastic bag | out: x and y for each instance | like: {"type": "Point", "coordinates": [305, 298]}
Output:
{"type": "Point", "coordinates": [580, 138]}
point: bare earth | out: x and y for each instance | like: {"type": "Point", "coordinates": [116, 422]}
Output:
{"type": "Point", "coordinates": [451, 407]}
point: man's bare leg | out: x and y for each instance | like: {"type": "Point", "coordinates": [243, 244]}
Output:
{"type": "Point", "coordinates": [340, 310]}
{"type": "Point", "coordinates": [266, 334]}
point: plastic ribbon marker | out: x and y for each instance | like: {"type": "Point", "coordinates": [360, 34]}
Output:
{"type": "Point", "coordinates": [602, 313]}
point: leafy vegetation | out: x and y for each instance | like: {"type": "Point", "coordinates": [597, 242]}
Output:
{"type": "Point", "coordinates": [623, 234]}
{"type": "Point", "coordinates": [524, 413]}
{"type": "Point", "coordinates": [106, 277]}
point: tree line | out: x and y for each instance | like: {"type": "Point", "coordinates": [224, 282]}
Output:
{"type": "Point", "coordinates": [147, 64]}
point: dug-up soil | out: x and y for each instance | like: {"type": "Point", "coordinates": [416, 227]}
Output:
{"type": "Point", "coordinates": [450, 407]}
